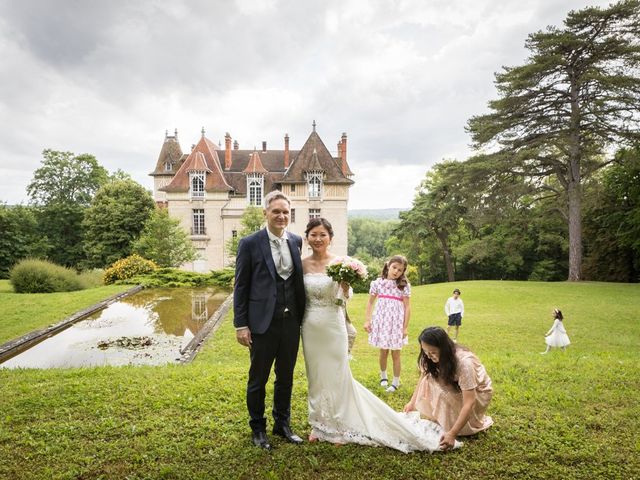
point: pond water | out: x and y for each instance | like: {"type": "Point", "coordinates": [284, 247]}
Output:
{"type": "Point", "coordinates": [147, 328]}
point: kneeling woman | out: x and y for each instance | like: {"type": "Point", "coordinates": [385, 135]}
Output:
{"type": "Point", "coordinates": [454, 389]}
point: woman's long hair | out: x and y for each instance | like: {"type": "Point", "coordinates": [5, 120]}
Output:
{"type": "Point", "coordinates": [445, 370]}
{"type": "Point", "coordinates": [401, 281]}
{"type": "Point", "coordinates": [558, 314]}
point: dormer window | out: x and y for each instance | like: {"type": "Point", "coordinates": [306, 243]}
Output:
{"type": "Point", "coordinates": [196, 182]}
{"type": "Point", "coordinates": [168, 167]}
{"type": "Point", "coordinates": [314, 183]}
{"type": "Point", "coordinates": [255, 187]}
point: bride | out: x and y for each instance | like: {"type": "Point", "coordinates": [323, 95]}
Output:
{"type": "Point", "coordinates": [341, 410]}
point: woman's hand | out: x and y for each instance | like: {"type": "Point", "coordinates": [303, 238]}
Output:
{"type": "Point", "coordinates": [409, 407]}
{"type": "Point", "coordinates": [367, 326]}
{"type": "Point", "coordinates": [447, 441]}
{"type": "Point", "coordinates": [405, 332]}
{"type": "Point", "coordinates": [345, 289]}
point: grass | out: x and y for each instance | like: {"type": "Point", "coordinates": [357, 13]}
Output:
{"type": "Point", "coordinates": [571, 415]}
{"type": "Point", "coordinates": [21, 313]}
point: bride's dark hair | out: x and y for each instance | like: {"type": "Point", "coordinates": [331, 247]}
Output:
{"type": "Point", "coordinates": [316, 222]}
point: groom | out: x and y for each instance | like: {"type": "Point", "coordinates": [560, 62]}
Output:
{"type": "Point", "coordinates": [268, 303]}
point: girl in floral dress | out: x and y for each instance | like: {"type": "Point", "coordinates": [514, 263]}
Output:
{"type": "Point", "coordinates": [388, 321]}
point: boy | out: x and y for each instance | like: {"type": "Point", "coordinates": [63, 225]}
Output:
{"type": "Point", "coordinates": [454, 309]}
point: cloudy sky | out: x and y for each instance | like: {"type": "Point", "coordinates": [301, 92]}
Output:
{"type": "Point", "coordinates": [401, 77]}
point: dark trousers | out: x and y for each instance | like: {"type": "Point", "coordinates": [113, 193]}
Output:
{"type": "Point", "coordinates": [278, 344]}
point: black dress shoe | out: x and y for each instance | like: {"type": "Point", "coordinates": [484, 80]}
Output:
{"type": "Point", "coordinates": [286, 433]}
{"type": "Point", "coordinates": [260, 440]}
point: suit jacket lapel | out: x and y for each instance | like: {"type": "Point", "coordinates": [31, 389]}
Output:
{"type": "Point", "coordinates": [265, 246]}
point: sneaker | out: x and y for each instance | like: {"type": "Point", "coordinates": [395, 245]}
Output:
{"type": "Point", "coordinates": [392, 388]}
{"type": "Point", "coordinates": [384, 382]}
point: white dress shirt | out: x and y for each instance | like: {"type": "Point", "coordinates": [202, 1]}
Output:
{"type": "Point", "coordinates": [454, 306]}
{"type": "Point", "coordinates": [279, 247]}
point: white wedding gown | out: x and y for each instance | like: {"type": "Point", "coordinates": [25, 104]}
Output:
{"type": "Point", "coordinates": [341, 410]}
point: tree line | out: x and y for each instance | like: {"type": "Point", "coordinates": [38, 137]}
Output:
{"type": "Point", "coordinates": [551, 191]}
{"type": "Point", "coordinates": [81, 216]}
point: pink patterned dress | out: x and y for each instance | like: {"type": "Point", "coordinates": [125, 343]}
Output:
{"type": "Point", "coordinates": [388, 315]}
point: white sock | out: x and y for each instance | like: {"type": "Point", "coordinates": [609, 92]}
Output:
{"type": "Point", "coordinates": [383, 375]}
{"type": "Point", "coordinates": [396, 381]}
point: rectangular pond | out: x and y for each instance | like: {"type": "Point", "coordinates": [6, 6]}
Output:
{"type": "Point", "coordinates": [150, 327]}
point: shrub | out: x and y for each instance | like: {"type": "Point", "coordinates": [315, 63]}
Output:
{"type": "Point", "coordinates": [92, 278]}
{"type": "Point", "coordinates": [127, 268]}
{"type": "Point", "coordinates": [223, 278]}
{"type": "Point", "coordinates": [171, 277]}
{"type": "Point", "coordinates": [41, 276]}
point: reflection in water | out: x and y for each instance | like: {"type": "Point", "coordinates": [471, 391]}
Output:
{"type": "Point", "coordinates": [170, 317]}
{"type": "Point", "coordinates": [199, 307]}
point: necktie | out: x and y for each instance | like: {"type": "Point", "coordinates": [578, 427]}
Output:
{"type": "Point", "coordinates": [283, 266]}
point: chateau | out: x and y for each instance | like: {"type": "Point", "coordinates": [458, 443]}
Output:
{"type": "Point", "coordinates": [209, 189]}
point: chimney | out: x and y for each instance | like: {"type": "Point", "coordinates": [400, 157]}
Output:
{"type": "Point", "coordinates": [236, 145]}
{"type": "Point", "coordinates": [340, 150]}
{"type": "Point", "coordinates": [264, 146]}
{"type": "Point", "coordinates": [286, 151]}
{"type": "Point", "coordinates": [227, 151]}
{"type": "Point", "coordinates": [343, 153]}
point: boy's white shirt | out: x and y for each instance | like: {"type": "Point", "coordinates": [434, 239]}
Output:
{"type": "Point", "coordinates": [454, 306]}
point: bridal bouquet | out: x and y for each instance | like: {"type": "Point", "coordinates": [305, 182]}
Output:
{"type": "Point", "coordinates": [348, 270]}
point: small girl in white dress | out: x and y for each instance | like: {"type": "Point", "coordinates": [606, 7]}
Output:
{"type": "Point", "coordinates": [557, 335]}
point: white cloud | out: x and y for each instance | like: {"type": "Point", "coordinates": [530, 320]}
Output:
{"type": "Point", "coordinates": [401, 78]}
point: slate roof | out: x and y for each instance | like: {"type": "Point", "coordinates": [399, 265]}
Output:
{"type": "Point", "coordinates": [170, 152]}
{"type": "Point", "coordinates": [204, 156]}
{"type": "Point", "coordinates": [207, 156]}
{"type": "Point", "coordinates": [314, 155]}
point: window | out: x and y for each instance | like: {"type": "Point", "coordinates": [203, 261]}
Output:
{"type": "Point", "coordinates": [234, 234]}
{"type": "Point", "coordinates": [314, 213]}
{"type": "Point", "coordinates": [293, 187]}
{"type": "Point", "coordinates": [168, 166]}
{"type": "Point", "coordinates": [293, 215]}
{"type": "Point", "coordinates": [197, 184]}
{"type": "Point", "coordinates": [197, 227]}
{"type": "Point", "coordinates": [315, 184]}
{"type": "Point", "coordinates": [254, 190]}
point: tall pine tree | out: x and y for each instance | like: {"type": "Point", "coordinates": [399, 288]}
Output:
{"type": "Point", "coordinates": [559, 113]}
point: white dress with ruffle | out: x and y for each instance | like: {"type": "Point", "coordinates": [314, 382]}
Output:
{"type": "Point", "coordinates": [341, 410]}
{"type": "Point", "coordinates": [558, 336]}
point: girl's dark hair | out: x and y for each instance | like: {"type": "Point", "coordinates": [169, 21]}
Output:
{"type": "Point", "coordinates": [558, 314]}
{"type": "Point", "coordinates": [445, 369]}
{"type": "Point", "coordinates": [316, 222]}
{"type": "Point", "coordinates": [401, 281]}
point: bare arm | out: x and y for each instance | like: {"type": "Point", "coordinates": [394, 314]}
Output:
{"type": "Point", "coordinates": [407, 315]}
{"type": "Point", "coordinates": [447, 440]}
{"type": "Point", "coordinates": [411, 406]}
{"type": "Point", "coordinates": [367, 315]}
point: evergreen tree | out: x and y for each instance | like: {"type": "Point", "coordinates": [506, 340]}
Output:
{"type": "Point", "coordinates": [577, 94]}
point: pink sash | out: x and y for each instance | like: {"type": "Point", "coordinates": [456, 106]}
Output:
{"type": "Point", "coordinates": [391, 297]}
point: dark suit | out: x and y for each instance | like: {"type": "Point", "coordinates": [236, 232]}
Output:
{"type": "Point", "coordinates": [272, 308]}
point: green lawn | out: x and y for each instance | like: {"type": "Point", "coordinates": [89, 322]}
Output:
{"type": "Point", "coordinates": [571, 415]}
{"type": "Point", "coordinates": [21, 313]}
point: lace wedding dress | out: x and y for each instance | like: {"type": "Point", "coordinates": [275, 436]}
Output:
{"type": "Point", "coordinates": [341, 410]}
